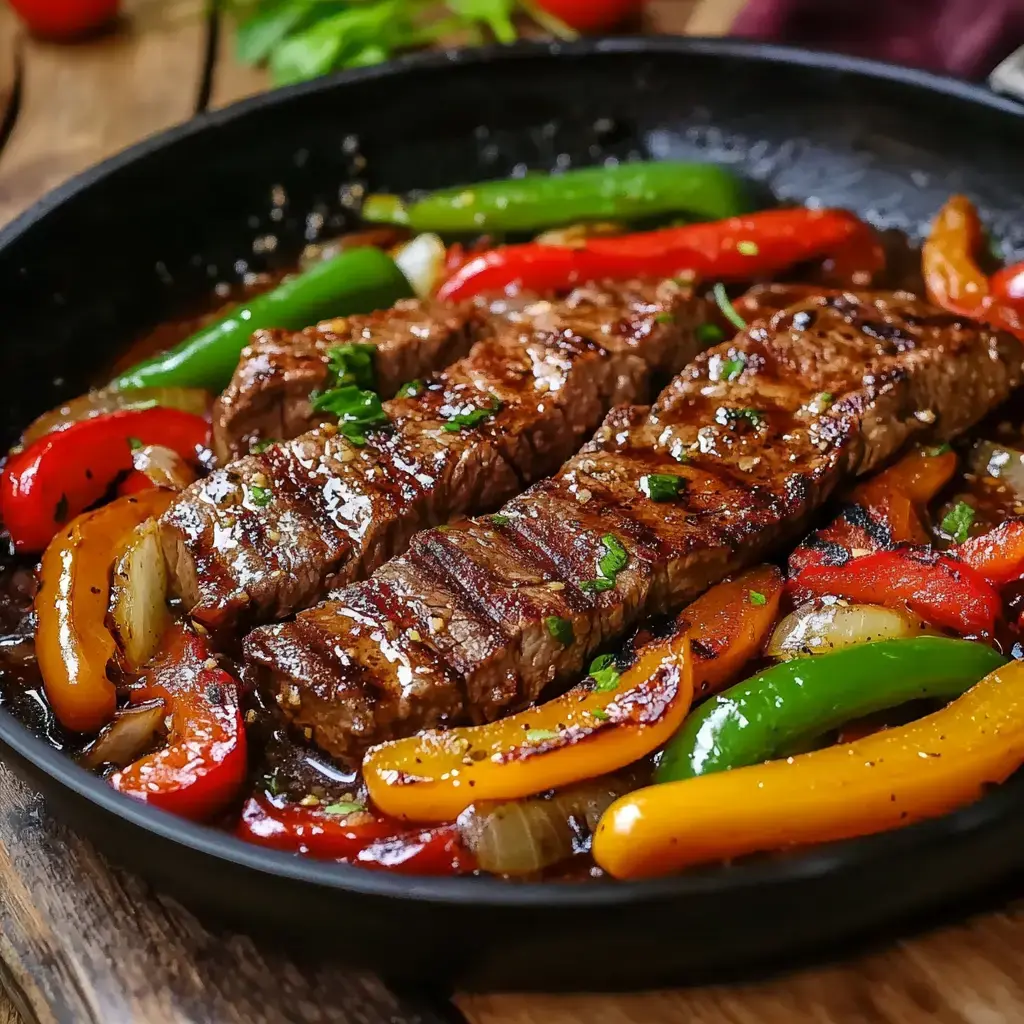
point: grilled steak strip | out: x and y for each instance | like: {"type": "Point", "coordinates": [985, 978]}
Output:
{"type": "Point", "coordinates": [472, 621]}
{"type": "Point", "coordinates": [269, 394]}
{"type": "Point", "coordinates": [270, 533]}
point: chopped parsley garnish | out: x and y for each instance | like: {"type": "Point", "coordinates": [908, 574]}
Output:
{"type": "Point", "coordinates": [957, 521]}
{"type": "Point", "coordinates": [665, 318]}
{"type": "Point", "coordinates": [560, 629]}
{"type": "Point", "coordinates": [260, 495]}
{"type": "Point", "coordinates": [730, 369]}
{"type": "Point", "coordinates": [604, 673]}
{"type": "Point", "coordinates": [499, 520]}
{"type": "Point", "coordinates": [596, 586]}
{"type": "Point", "coordinates": [708, 334]}
{"type": "Point", "coordinates": [732, 417]}
{"type": "Point", "coordinates": [661, 486]}
{"type": "Point", "coordinates": [747, 248]}
{"type": "Point", "coordinates": [757, 598]}
{"type": "Point", "coordinates": [135, 444]}
{"type": "Point", "coordinates": [357, 411]}
{"type": "Point", "coordinates": [938, 450]}
{"type": "Point", "coordinates": [259, 447]}
{"type": "Point", "coordinates": [822, 401]}
{"type": "Point", "coordinates": [541, 735]}
{"type": "Point", "coordinates": [609, 565]}
{"type": "Point", "coordinates": [726, 306]}
{"type": "Point", "coordinates": [352, 363]}
{"type": "Point", "coordinates": [472, 417]}
{"type": "Point", "coordinates": [345, 807]}
{"type": "Point", "coordinates": [601, 716]}
{"type": "Point", "coordinates": [410, 389]}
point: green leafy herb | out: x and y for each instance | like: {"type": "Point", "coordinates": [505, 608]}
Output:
{"type": "Point", "coordinates": [615, 557]}
{"type": "Point", "coordinates": [601, 716]}
{"type": "Point", "coordinates": [727, 308]}
{"type": "Point", "coordinates": [352, 363]}
{"type": "Point", "coordinates": [135, 444]}
{"type": "Point", "coordinates": [541, 735]}
{"type": "Point", "coordinates": [499, 520]}
{"type": "Point", "coordinates": [757, 598]}
{"type": "Point", "coordinates": [472, 417]}
{"type": "Point", "coordinates": [938, 450]}
{"type": "Point", "coordinates": [957, 521]}
{"type": "Point", "coordinates": [708, 334]}
{"type": "Point", "coordinates": [732, 417]}
{"type": "Point", "coordinates": [730, 369]}
{"type": "Point", "coordinates": [560, 629]}
{"type": "Point", "coordinates": [596, 586]}
{"type": "Point", "coordinates": [410, 389]}
{"type": "Point", "coordinates": [661, 486]}
{"type": "Point", "coordinates": [357, 411]}
{"type": "Point", "coordinates": [259, 447]}
{"type": "Point", "coordinates": [345, 807]}
{"type": "Point", "coordinates": [260, 495]}
{"type": "Point", "coordinates": [822, 401]}
{"type": "Point", "coordinates": [665, 318]}
{"type": "Point", "coordinates": [604, 673]}
{"type": "Point", "coordinates": [747, 248]}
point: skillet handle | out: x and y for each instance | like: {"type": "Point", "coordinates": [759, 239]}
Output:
{"type": "Point", "coordinates": [1008, 76]}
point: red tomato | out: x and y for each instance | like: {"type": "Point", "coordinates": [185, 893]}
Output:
{"type": "Point", "coordinates": [61, 19]}
{"type": "Point", "coordinates": [592, 15]}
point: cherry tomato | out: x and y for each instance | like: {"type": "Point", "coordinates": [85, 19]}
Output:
{"type": "Point", "coordinates": [592, 15]}
{"type": "Point", "coordinates": [62, 19]}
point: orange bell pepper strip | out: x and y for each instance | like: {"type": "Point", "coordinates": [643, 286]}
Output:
{"type": "Point", "coordinates": [73, 643]}
{"type": "Point", "coordinates": [729, 625]}
{"type": "Point", "coordinates": [584, 733]}
{"type": "Point", "coordinates": [997, 555]}
{"type": "Point", "coordinates": [889, 779]}
{"type": "Point", "coordinates": [952, 276]}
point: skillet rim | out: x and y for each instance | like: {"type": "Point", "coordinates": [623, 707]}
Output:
{"type": "Point", "coordinates": [485, 892]}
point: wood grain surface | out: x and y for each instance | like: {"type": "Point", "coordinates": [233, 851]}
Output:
{"type": "Point", "coordinates": [82, 943]}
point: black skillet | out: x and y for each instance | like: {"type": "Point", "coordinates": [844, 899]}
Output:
{"type": "Point", "coordinates": [135, 240]}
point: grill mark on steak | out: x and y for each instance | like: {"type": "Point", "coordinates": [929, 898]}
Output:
{"type": "Point", "coordinates": [758, 454]}
{"type": "Point", "coordinates": [269, 394]}
{"type": "Point", "coordinates": [326, 512]}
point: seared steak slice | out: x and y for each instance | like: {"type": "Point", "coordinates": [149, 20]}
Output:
{"type": "Point", "coordinates": [270, 533]}
{"type": "Point", "coordinates": [269, 395]}
{"type": "Point", "coordinates": [472, 621]}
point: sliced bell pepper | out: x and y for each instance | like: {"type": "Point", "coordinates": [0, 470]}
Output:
{"type": "Point", "coordinates": [739, 248]}
{"type": "Point", "coordinates": [942, 590]}
{"type": "Point", "coordinates": [589, 731]}
{"type": "Point", "coordinates": [63, 473]}
{"type": "Point", "coordinates": [889, 779]}
{"type": "Point", "coordinates": [73, 643]}
{"type": "Point", "coordinates": [997, 555]}
{"type": "Point", "coordinates": [799, 700]}
{"type": "Point", "coordinates": [203, 765]}
{"type": "Point", "coordinates": [360, 838]}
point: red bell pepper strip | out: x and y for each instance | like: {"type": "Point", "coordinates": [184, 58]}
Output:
{"type": "Point", "coordinates": [62, 474]}
{"type": "Point", "coordinates": [997, 555]}
{"type": "Point", "coordinates": [369, 841]}
{"type": "Point", "coordinates": [942, 590]}
{"type": "Point", "coordinates": [202, 767]}
{"type": "Point", "coordinates": [738, 248]}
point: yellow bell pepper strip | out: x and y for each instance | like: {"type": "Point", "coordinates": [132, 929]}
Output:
{"type": "Point", "coordinates": [73, 643]}
{"type": "Point", "coordinates": [889, 779]}
{"type": "Point", "coordinates": [589, 731]}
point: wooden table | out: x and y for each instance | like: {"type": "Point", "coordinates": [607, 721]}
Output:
{"type": "Point", "coordinates": [85, 944]}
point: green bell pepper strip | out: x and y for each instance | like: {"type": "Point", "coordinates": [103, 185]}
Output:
{"type": "Point", "coordinates": [626, 192]}
{"type": "Point", "coordinates": [355, 281]}
{"type": "Point", "coordinates": [761, 718]}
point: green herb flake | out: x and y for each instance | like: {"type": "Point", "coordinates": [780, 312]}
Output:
{"type": "Point", "coordinates": [357, 411]}
{"type": "Point", "coordinates": [601, 716]}
{"type": "Point", "coordinates": [410, 389]}
{"type": "Point", "coordinates": [596, 586]}
{"type": "Point", "coordinates": [726, 306]}
{"type": "Point", "coordinates": [560, 629]}
{"type": "Point", "coordinates": [352, 364]}
{"type": "Point", "coordinates": [615, 557]}
{"type": "Point", "coordinates": [259, 447]}
{"type": "Point", "coordinates": [499, 520]}
{"type": "Point", "coordinates": [260, 495]}
{"type": "Point", "coordinates": [822, 401]}
{"type": "Point", "coordinates": [957, 521]}
{"type": "Point", "coordinates": [661, 486]}
{"type": "Point", "coordinates": [135, 444]}
{"type": "Point", "coordinates": [938, 450]}
{"type": "Point", "coordinates": [472, 417]}
{"type": "Point", "coordinates": [604, 673]}
{"type": "Point", "coordinates": [757, 598]}
{"type": "Point", "coordinates": [747, 248]}
{"type": "Point", "coordinates": [665, 318]}
{"type": "Point", "coordinates": [731, 368]}
{"type": "Point", "coordinates": [345, 807]}
{"type": "Point", "coordinates": [733, 417]}
{"type": "Point", "coordinates": [541, 735]}
{"type": "Point", "coordinates": [709, 334]}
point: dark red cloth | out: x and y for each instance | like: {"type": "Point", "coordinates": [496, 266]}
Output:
{"type": "Point", "coordinates": [960, 37]}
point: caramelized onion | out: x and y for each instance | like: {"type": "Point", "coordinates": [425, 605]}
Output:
{"type": "Point", "coordinates": [422, 261]}
{"type": "Point", "coordinates": [988, 458]}
{"type": "Point", "coordinates": [164, 467]}
{"type": "Point", "coordinates": [520, 837]}
{"type": "Point", "coordinates": [133, 732]}
{"type": "Point", "coordinates": [138, 605]}
{"type": "Point", "coordinates": [820, 628]}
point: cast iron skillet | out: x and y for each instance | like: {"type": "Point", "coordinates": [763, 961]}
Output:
{"type": "Point", "coordinates": [134, 240]}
